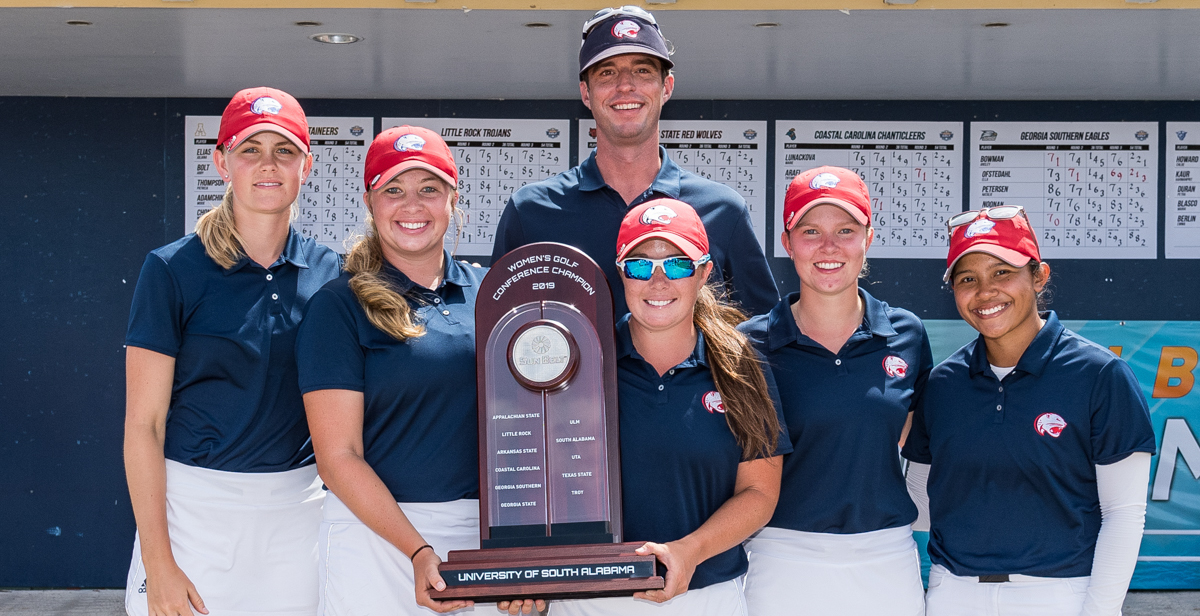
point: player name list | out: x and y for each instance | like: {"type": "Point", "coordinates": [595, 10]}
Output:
{"type": "Point", "coordinates": [1089, 188]}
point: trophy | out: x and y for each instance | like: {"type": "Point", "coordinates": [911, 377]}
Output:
{"type": "Point", "coordinates": [549, 456]}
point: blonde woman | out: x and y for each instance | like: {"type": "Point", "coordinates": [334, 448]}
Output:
{"type": "Point", "coordinates": [220, 472]}
{"type": "Point", "coordinates": [387, 366]}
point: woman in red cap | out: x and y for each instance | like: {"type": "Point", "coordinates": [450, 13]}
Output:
{"type": "Point", "coordinates": [697, 407]}
{"type": "Point", "coordinates": [1032, 444]}
{"type": "Point", "coordinates": [850, 369]}
{"type": "Point", "coordinates": [226, 496]}
{"type": "Point", "coordinates": [387, 366]}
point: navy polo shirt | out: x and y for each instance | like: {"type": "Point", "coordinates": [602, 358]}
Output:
{"type": "Point", "coordinates": [579, 209]}
{"type": "Point", "coordinates": [235, 403]}
{"type": "Point", "coordinates": [1012, 482]}
{"type": "Point", "coordinates": [679, 460]}
{"type": "Point", "coordinates": [845, 413]}
{"type": "Point", "coordinates": [420, 418]}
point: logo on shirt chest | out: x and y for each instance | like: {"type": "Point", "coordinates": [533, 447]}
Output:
{"type": "Point", "coordinates": [712, 402]}
{"type": "Point", "coordinates": [895, 366]}
{"type": "Point", "coordinates": [1050, 423]}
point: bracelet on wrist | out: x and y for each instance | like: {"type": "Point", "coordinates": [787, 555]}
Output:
{"type": "Point", "coordinates": [418, 551]}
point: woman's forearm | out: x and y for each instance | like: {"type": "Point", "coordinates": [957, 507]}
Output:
{"type": "Point", "coordinates": [149, 377]}
{"type": "Point", "coordinates": [748, 510]}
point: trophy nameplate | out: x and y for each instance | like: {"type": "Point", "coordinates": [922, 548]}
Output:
{"type": "Point", "coordinates": [550, 472]}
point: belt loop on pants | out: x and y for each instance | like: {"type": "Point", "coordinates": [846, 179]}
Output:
{"type": "Point", "coordinates": [993, 579]}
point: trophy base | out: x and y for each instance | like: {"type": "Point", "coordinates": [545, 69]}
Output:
{"type": "Point", "coordinates": [549, 572]}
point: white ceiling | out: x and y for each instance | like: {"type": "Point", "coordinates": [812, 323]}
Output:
{"type": "Point", "coordinates": [449, 54]}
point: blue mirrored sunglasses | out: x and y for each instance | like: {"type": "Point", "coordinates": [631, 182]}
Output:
{"type": "Point", "coordinates": [675, 268]}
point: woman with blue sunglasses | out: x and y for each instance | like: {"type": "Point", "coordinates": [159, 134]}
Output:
{"type": "Point", "coordinates": [699, 410]}
{"type": "Point", "coordinates": [850, 370]}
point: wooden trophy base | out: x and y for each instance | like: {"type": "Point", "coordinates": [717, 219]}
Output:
{"type": "Point", "coordinates": [550, 572]}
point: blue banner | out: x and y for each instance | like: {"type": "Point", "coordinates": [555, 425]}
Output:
{"type": "Point", "coordinates": [1163, 355]}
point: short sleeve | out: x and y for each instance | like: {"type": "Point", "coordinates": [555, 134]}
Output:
{"type": "Point", "coordinates": [784, 446]}
{"type": "Point", "coordinates": [745, 269]}
{"type": "Point", "coordinates": [156, 316]}
{"type": "Point", "coordinates": [923, 370]}
{"type": "Point", "coordinates": [328, 353]}
{"type": "Point", "coordinates": [509, 233]}
{"type": "Point", "coordinates": [916, 446]}
{"type": "Point", "coordinates": [1120, 417]}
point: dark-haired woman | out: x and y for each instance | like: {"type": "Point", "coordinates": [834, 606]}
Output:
{"type": "Point", "coordinates": [1034, 441]}
{"type": "Point", "coordinates": [220, 472]}
{"type": "Point", "coordinates": [850, 369]}
{"type": "Point", "coordinates": [387, 367]}
{"type": "Point", "coordinates": [700, 438]}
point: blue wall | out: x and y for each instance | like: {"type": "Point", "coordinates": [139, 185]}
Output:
{"type": "Point", "coordinates": [90, 185]}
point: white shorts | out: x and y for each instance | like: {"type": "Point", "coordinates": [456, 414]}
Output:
{"type": "Point", "coordinates": [362, 574]}
{"type": "Point", "coordinates": [1023, 595]}
{"type": "Point", "coordinates": [247, 541]}
{"type": "Point", "coordinates": [724, 599]}
{"type": "Point", "coordinates": [877, 573]}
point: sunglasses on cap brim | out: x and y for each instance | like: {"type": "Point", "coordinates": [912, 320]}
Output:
{"type": "Point", "coordinates": [675, 268]}
{"type": "Point", "coordinates": [999, 212]}
{"type": "Point", "coordinates": [624, 11]}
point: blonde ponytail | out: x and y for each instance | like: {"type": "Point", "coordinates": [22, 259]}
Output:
{"type": "Point", "coordinates": [218, 233]}
{"type": "Point", "coordinates": [386, 308]}
{"type": "Point", "coordinates": [738, 375]}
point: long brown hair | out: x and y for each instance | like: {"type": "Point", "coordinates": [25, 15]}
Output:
{"type": "Point", "coordinates": [738, 374]}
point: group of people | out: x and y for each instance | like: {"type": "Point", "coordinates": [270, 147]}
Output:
{"type": "Point", "coordinates": [772, 427]}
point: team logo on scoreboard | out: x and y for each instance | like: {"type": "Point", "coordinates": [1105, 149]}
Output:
{"type": "Point", "coordinates": [552, 132]}
{"type": "Point", "coordinates": [356, 130]}
{"type": "Point", "coordinates": [409, 143]}
{"type": "Point", "coordinates": [824, 180]}
{"type": "Point", "coordinates": [626, 29]}
{"type": "Point", "coordinates": [750, 134]}
{"type": "Point", "coordinates": [266, 104]}
{"type": "Point", "coordinates": [592, 132]}
{"type": "Point", "coordinates": [1050, 423]}
{"type": "Point", "coordinates": [791, 134]}
{"type": "Point", "coordinates": [1142, 135]}
{"type": "Point", "coordinates": [988, 135]}
{"type": "Point", "coordinates": [947, 135]}
{"type": "Point", "coordinates": [895, 366]}
{"type": "Point", "coordinates": [713, 402]}
{"type": "Point", "coordinates": [658, 214]}
{"type": "Point", "coordinates": [1181, 134]}
{"type": "Point", "coordinates": [980, 227]}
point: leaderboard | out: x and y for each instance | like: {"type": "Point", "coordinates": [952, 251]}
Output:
{"type": "Point", "coordinates": [1182, 224]}
{"type": "Point", "coordinates": [495, 157]}
{"type": "Point", "coordinates": [913, 171]}
{"type": "Point", "coordinates": [1089, 188]}
{"type": "Point", "coordinates": [330, 201]}
{"type": "Point", "coordinates": [730, 152]}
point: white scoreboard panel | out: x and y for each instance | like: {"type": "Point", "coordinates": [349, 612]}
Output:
{"type": "Point", "coordinates": [495, 157]}
{"type": "Point", "coordinates": [730, 152]}
{"type": "Point", "coordinates": [1090, 188]}
{"type": "Point", "coordinates": [913, 171]}
{"type": "Point", "coordinates": [1182, 228]}
{"type": "Point", "coordinates": [331, 209]}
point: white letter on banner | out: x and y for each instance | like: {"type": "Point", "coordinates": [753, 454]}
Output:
{"type": "Point", "coordinates": [1177, 438]}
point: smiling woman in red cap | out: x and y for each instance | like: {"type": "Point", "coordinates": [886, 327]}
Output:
{"type": "Point", "coordinates": [1032, 444]}
{"type": "Point", "coordinates": [220, 472]}
{"type": "Point", "coordinates": [850, 369]}
{"type": "Point", "coordinates": [387, 366]}
{"type": "Point", "coordinates": [697, 407]}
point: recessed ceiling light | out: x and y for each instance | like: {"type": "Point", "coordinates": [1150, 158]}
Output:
{"type": "Point", "coordinates": [996, 24]}
{"type": "Point", "coordinates": [767, 24]}
{"type": "Point", "coordinates": [335, 38]}
{"type": "Point", "coordinates": [78, 22]}
{"type": "Point", "coordinates": [308, 24]}
{"type": "Point", "coordinates": [537, 24]}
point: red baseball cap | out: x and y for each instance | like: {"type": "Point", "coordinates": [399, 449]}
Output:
{"type": "Point", "coordinates": [1011, 240]}
{"type": "Point", "coordinates": [666, 219]}
{"type": "Point", "coordinates": [255, 110]}
{"type": "Point", "coordinates": [401, 148]}
{"type": "Point", "coordinates": [826, 185]}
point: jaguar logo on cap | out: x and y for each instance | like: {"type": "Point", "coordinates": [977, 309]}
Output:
{"type": "Point", "coordinates": [626, 29]}
{"type": "Point", "coordinates": [658, 214]}
{"type": "Point", "coordinates": [980, 227]}
{"type": "Point", "coordinates": [266, 104]}
{"type": "Point", "coordinates": [409, 143]}
{"type": "Point", "coordinates": [824, 180]}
